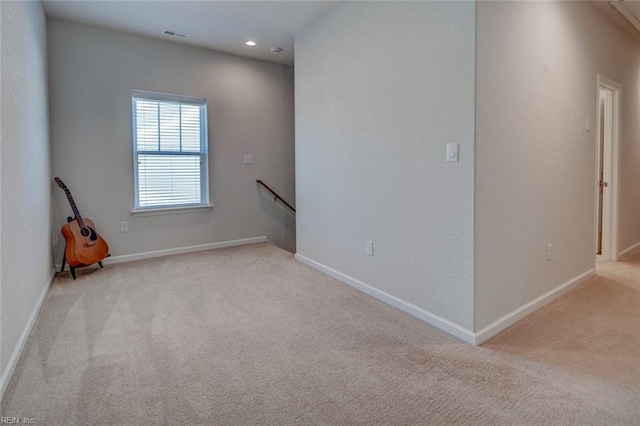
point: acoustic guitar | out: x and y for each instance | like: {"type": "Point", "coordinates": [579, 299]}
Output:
{"type": "Point", "coordinates": [84, 246]}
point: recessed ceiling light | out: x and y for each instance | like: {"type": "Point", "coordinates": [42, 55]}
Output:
{"type": "Point", "coordinates": [250, 43]}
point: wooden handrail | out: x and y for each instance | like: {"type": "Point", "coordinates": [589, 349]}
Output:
{"type": "Point", "coordinates": [277, 197]}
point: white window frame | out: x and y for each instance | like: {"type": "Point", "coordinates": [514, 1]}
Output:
{"type": "Point", "coordinates": [204, 204]}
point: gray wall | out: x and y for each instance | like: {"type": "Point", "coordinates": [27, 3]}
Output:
{"type": "Point", "coordinates": [381, 88]}
{"type": "Point", "coordinates": [535, 162]}
{"type": "Point", "coordinates": [250, 106]}
{"type": "Point", "coordinates": [25, 262]}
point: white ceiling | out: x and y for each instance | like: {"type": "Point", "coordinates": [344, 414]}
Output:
{"type": "Point", "coordinates": [632, 6]}
{"type": "Point", "coordinates": [624, 13]}
{"type": "Point", "coordinates": [219, 25]}
{"type": "Point", "coordinates": [226, 25]}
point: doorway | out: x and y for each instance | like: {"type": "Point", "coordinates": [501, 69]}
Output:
{"type": "Point", "coordinates": [607, 130]}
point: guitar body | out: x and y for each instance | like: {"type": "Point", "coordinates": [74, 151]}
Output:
{"type": "Point", "coordinates": [84, 246]}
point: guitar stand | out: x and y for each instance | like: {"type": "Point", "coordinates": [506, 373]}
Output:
{"type": "Point", "coordinates": [72, 269]}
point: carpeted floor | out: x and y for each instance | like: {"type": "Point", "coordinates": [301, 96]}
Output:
{"type": "Point", "coordinates": [247, 335]}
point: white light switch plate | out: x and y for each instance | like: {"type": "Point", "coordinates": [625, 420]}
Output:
{"type": "Point", "coordinates": [248, 159]}
{"type": "Point", "coordinates": [452, 152]}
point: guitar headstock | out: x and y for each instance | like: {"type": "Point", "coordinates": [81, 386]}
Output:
{"type": "Point", "coordinates": [60, 183]}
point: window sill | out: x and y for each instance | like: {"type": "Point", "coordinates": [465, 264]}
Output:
{"type": "Point", "coordinates": [171, 210]}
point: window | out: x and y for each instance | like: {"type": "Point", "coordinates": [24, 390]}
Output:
{"type": "Point", "coordinates": [169, 151]}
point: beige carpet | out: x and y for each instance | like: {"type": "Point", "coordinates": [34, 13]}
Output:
{"type": "Point", "coordinates": [248, 335]}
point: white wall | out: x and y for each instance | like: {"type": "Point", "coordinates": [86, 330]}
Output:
{"type": "Point", "coordinates": [92, 73]}
{"type": "Point", "coordinates": [535, 163]}
{"type": "Point", "coordinates": [381, 88]}
{"type": "Point", "coordinates": [26, 262]}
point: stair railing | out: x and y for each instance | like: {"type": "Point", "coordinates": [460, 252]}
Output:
{"type": "Point", "coordinates": [275, 195]}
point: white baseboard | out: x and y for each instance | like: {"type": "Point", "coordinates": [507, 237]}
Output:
{"type": "Point", "coordinates": [443, 324]}
{"type": "Point", "coordinates": [502, 323]}
{"type": "Point", "coordinates": [422, 314]}
{"type": "Point", "coordinates": [179, 250]}
{"type": "Point", "coordinates": [628, 250]}
{"type": "Point", "coordinates": [17, 351]}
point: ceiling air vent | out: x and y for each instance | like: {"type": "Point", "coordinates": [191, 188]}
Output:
{"type": "Point", "coordinates": [175, 34]}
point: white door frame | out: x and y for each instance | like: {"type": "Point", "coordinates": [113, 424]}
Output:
{"type": "Point", "coordinates": [610, 193]}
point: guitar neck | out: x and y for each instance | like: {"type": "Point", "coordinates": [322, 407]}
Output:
{"type": "Point", "coordinates": [74, 208]}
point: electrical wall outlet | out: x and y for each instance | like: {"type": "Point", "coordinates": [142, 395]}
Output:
{"type": "Point", "coordinates": [124, 226]}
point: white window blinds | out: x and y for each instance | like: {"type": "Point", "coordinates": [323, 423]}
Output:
{"type": "Point", "coordinates": [170, 150]}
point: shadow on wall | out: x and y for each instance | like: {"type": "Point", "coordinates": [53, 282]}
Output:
{"type": "Point", "coordinates": [280, 220]}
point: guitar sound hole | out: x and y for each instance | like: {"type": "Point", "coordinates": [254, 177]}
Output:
{"type": "Point", "coordinates": [85, 232]}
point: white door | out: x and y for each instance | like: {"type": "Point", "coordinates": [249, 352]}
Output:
{"type": "Point", "coordinates": [606, 169]}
